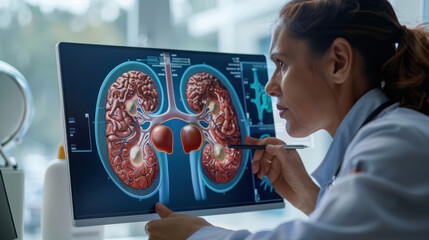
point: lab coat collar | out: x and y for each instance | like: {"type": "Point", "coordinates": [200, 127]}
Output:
{"type": "Point", "coordinates": [344, 134]}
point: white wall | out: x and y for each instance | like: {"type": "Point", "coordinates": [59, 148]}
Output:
{"type": "Point", "coordinates": [409, 12]}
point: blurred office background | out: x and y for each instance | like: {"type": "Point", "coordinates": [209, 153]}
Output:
{"type": "Point", "coordinates": [30, 29]}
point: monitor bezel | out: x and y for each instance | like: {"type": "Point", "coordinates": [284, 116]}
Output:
{"type": "Point", "coordinates": [147, 216]}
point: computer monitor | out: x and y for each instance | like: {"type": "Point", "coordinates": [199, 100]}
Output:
{"type": "Point", "coordinates": [7, 226]}
{"type": "Point", "coordinates": [144, 125]}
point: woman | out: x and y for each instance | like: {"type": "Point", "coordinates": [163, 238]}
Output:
{"type": "Point", "coordinates": [350, 68]}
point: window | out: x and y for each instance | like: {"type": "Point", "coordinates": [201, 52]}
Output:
{"type": "Point", "coordinates": [426, 11]}
{"type": "Point", "coordinates": [30, 29]}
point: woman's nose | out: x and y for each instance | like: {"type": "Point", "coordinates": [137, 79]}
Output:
{"type": "Point", "coordinates": [272, 88]}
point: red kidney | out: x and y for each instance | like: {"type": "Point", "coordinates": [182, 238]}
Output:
{"type": "Point", "coordinates": [123, 132]}
{"type": "Point", "coordinates": [205, 90]}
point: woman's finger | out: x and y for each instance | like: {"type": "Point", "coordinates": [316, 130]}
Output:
{"type": "Point", "coordinates": [255, 167]}
{"type": "Point", "coordinates": [257, 156]}
{"type": "Point", "coordinates": [251, 140]}
{"type": "Point", "coordinates": [261, 159]}
{"type": "Point", "coordinates": [255, 141]}
{"type": "Point", "coordinates": [275, 170]}
{"type": "Point", "coordinates": [280, 154]}
{"type": "Point", "coordinates": [272, 140]}
{"type": "Point", "coordinates": [276, 150]}
{"type": "Point", "coordinates": [151, 225]}
{"type": "Point", "coordinates": [268, 140]}
{"type": "Point", "coordinates": [265, 164]}
{"type": "Point", "coordinates": [163, 211]}
{"type": "Point", "coordinates": [262, 162]}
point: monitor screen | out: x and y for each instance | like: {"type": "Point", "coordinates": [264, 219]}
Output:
{"type": "Point", "coordinates": [7, 226]}
{"type": "Point", "coordinates": [145, 125]}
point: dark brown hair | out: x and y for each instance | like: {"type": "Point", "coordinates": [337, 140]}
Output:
{"type": "Point", "coordinates": [392, 53]}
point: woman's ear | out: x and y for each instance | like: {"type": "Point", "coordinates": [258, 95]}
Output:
{"type": "Point", "coordinates": [339, 59]}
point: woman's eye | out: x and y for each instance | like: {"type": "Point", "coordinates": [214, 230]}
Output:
{"type": "Point", "coordinates": [281, 64]}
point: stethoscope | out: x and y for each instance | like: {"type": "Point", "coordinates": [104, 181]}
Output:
{"type": "Point", "coordinates": [370, 117]}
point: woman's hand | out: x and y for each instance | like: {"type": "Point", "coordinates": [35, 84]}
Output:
{"type": "Point", "coordinates": [286, 172]}
{"type": "Point", "coordinates": [173, 225]}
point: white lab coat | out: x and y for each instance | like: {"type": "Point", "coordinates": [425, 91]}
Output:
{"type": "Point", "coordinates": [387, 199]}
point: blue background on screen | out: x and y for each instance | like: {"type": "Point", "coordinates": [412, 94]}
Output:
{"type": "Point", "coordinates": [83, 70]}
